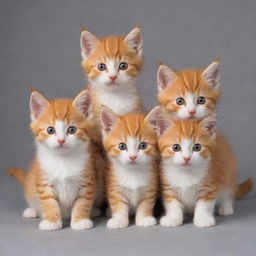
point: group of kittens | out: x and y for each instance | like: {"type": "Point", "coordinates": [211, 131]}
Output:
{"type": "Point", "coordinates": [101, 146]}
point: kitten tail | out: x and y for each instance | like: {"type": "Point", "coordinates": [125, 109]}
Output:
{"type": "Point", "coordinates": [17, 173]}
{"type": "Point", "coordinates": [244, 188]}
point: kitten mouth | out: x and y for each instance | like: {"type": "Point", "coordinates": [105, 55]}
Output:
{"type": "Point", "coordinates": [191, 118]}
{"type": "Point", "coordinates": [186, 164]}
{"type": "Point", "coordinates": [113, 84]}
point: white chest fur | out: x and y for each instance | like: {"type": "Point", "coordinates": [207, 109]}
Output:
{"type": "Point", "coordinates": [133, 179]}
{"type": "Point", "coordinates": [185, 182]}
{"type": "Point", "coordinates": [121, 101]}
{"type": "Point", "coordinates": [63, 171]}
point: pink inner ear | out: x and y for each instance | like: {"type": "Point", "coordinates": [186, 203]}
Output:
{"type": "Point", "coordinates": [38, 105]}
{"type": "Point", "coordinates": [83, 103]}
{"type": "Point", "coordinates": [108, 121]}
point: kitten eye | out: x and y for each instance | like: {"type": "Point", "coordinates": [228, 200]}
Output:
{"type": "Point", "coordinates": [201, 100]}
{"type": "Point", "coordinates": [72, 129]}
{"type": "Point", "coordinates": [122, 146]}
{"type": "Point", "coordinates": [50, 130]}
{"type": "Point", "coordinates": [123, 66]}
{"type": "Point", "coordinates": [197, 147]}
{"type": "Point", "coordinates": [143, 145]}
{"type": "Point", "coordinates": [180, 101]}
{"type": "Point", "coordinates": [101, 67]}
{"type": "Point", "coordinates": [176, 147]}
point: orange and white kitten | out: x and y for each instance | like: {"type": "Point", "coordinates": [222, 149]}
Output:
{"type": "Point", "coordinates": [131, 177]}
{"type": "Point", "coordinates": [112, 64]}
{"type": "Point", "coordinates": [62, 180]}
{"type": "Point", "coordinates": [198, 170]}
{"type": "Point", "coordinates": [189, 94]}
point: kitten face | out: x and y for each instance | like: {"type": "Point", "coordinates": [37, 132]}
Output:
{"type": "Point", "coordinates": [61, 125]}
{"type": "Point", "coordinates": [112, 62]}
{"type": "Point", "coordinates": [184, 143]}
{"type": "Point", "coordinates": [128, 139]}
{"type": "Point", "coordinates": [189, 94]}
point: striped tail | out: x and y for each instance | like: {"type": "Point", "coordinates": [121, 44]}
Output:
{"type": "Point", "coordinates": [244, 188]}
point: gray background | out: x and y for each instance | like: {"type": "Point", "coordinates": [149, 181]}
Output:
{"type": "Point", "coordinates": [40, 49]}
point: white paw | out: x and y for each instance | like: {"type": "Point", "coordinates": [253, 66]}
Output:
{"type": "Point", "coordinates": [117, 223]}
{"type": "Point", "coordinates": [96, 212]}
{"type": "Point", "coordinates": [30, 213]}
{"type": "Point", "coordinates": [50, 226]}
{"type": "Point", "coordinates": [146, 221]}
{"type": "Point", "coordinates": [171, 221]}
{"type": "Point", "coordinates": [204, 221]}
{"type": "Point", "coordinates": [82, 224]}
{"type": "Point", "coordinates": [225, 210]}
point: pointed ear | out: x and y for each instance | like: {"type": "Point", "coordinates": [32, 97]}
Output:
{"type": "Point", "coordinates": [165, 77]}
{"type": "Point", "coordinates": [134, 41]}
{"type": "Point", "coordinates": [209, 124]}
{"type": "Point", "coordinates": [108, 120]}
{"type": "Point", "coordinates": [211, 74]}
{"type": "Point", "coordinates": [88, 43]}
{"type": "Point", "coordinates": [83, 103]}
{"type": "Point", "coordinates": [38, 104]}
{"type": "Point", "coordinates": [158, 121]}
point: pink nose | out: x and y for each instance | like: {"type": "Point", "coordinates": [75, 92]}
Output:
{"type": "Point", "coordinates": [61, 141]}
{"type": "Point", "coordinates": [192, 112]}
{"type": "Point", "coordinates": [133, 157]}
{"type": "Point", "coordinates": [187, 158]}
{"type": "Point", "coordinates": [113, 78]}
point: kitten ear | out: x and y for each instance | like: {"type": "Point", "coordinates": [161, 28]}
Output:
{"type": "Point", "coordinates": [38, 104]}
{"type": "Point", "coordinates": [209, 124]}
{"type": "Point", "coordinates": [165, 77]}
{"type": "Point", "coordinates": [134, 41]}
{"type": "Point", "coordinates": [108, 120]}
{"type": "Point", "coordinates": [83, 103]}
{"type": "Point", "coordinates": [158, 121]}
{"type": "Point", "coordinates": [211, 74]}
{"type": "Point", "coordinates": [88, 43]}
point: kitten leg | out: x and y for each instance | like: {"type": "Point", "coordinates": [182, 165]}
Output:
{"type": "Point", "coordinates": [204, 213]}
{"type": "Point", "coordinates": [50, 208]}
{"type": "Point", "coordinates": [225, 199]}
{"type": "Point", "coordinates": [82, 208]}
{"type": "Point", "coordinates": [174, 214]}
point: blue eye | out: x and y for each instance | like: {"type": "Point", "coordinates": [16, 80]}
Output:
{"type": "Point", "coordinates": [176, 147]}
{"type": "Point", "coordinates": [201, 100]}
{"type": "Point", "coordinates": [72, 129]}
{"type": "Point", "coordinates": [101, 67]}
{"type": "Point", "coordinates": [50, 130]}
{"type": "Point", "coordinates": [122, 146]}
{"type": "Point", "coordinates": [197, 147]}
{"type": "Point", "coordinates": [123, 66]}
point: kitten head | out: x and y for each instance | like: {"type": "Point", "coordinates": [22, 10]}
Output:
{"type": "Point", "coordinates": [189, 94]}
{"type": "Point", "coordinates": [128, 139]}
{"type": "Point", "coordinates": [61, 125]}
{"type": "Point", "coordinates": [184, 143]}
{"type": "Point", "coordinates": [113, 61]}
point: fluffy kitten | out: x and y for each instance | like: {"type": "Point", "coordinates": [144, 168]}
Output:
{"type": "Point", "coordinates": [132, 177]}
{"type": "Point", "coordinates": [198, 170]}
{"type": "Point", "coordinates": [112, 65]}
{"type": "Point", "coordinates": [189, 94]}
{"type": "Point", "coordinates": [62, 179]}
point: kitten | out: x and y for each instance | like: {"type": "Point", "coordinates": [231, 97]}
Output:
{"type": "Point", "coordinates": [198, 170]}
{"type": "Point", "coordinates": [112, 64]}
{"type": "Point", "coordinates": [132, 177]}
{"type": "Point", "coordinates": [62, 179]}
{"type": "Point", "coordinates": [189, 94]}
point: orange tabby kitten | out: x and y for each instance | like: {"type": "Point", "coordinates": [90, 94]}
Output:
{"type": "Point", "coordinates": [189, 94]}
{"type": "Point", "coordinates": [112, 64]}
{"type": "Point", "coordinates": [62, 179]}
{"type": "Point", "coordinates": [132, 177]}
{"type": "Point", "coordinates": [198, 170]}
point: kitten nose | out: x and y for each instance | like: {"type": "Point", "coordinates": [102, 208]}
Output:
{"type": "Point", "coordinates": [133, 157]}
{"type": "Point", "coordinates": [113, 78]}
{"type": "Point", "coordinates": [61, 141]}
{"type": "Point", "coordinates": [186, 158]}
{"type": "Point", "coordinates": [192, 112]}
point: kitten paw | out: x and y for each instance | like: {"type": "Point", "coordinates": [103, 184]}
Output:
{"type": "Point", "coordinates": [82, 224]}
{"type": "Point", "coordinates": [225, 210]}
{"type": "Point", "coordinates": [117, 223]}
{"type": "Point", "coordinates": [30, 213]}
{"type": "Point", "coordinates": [146, 221]}
{"type": "Point", "coordinates": [96, 212]}
{"type": "Point", "coordinates": [171, 221]}
{"type": "Point", "coordinates": [50, 226]}
{"type": "Point", "coordinates": [204, 221]}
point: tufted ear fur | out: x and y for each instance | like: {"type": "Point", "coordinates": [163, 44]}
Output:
{"type": "Point", "coordinates": [209, 124]}
{"type": "Point", "coordinates": [38, 104]}
{"type": "Point", "coordinates": [165, 77]}
{"type": "Point", "coordinates": [134, 41]}
{"type": "Point", "coordinates": [108, 120]}
{"type": "Point", "coordinates": [211, 74]}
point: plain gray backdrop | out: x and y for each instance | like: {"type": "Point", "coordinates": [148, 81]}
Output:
{"type": "Point", "coordinates": [40, 49]}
